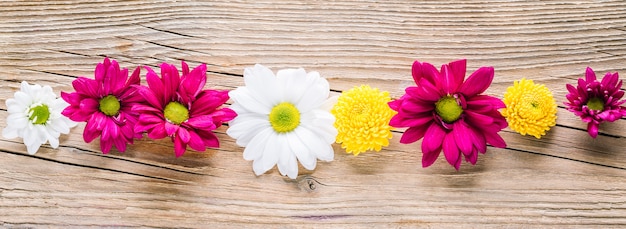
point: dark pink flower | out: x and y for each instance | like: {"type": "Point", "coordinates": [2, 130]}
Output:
{"type": "Point", "coordinates": [596, 102]}
{"type": "Point", "coordinates": [450, 114]}
{"type": "Point", "coordinates": [106, 105]}
{"type": "Point", "coordinates": [178, 107]}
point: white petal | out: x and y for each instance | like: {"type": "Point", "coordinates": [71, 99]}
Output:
{"type": "Point", "coordinates": [54, 141]}
{"type": "Point", "coordinates": [326, 153]}
{"type": "Point", "coordinates": [57, 106]}
{"type": "Point", "coordinates": [314, 143]}
{"type": "Point", "coordinates": [284, 155]}
{"type": "Point", "coordinates": [254, 150]}
{"type": "Point", "coordinates": [9, 132]}
{"type": "Point", "coordinates": [23, 99]}
{"type": "Point", "coordinates": [14, 107]}
{"type": "Point", "coordinates": [329, 103]}
{"type": "Point", "coordinates": [33, 147]}
{"type": "Point", "coordinates": [18, 121]}
{"type": "Point", "coordinates": [46, 95]}
{"type": "Point", "coordinates": [315, 94]}
{"type": "Point", "coordinates": [253, 103]}
{"type": "Point", "coordinates": [270, 153]}
{"type": "Point", "coordinates": [294, 81]}
{"type": "Point", "coordinates": [306, 158]}
{"type": "Point", "coordinates": [260, 81]}
{"type": "Point", "coordinates": [321, 123]}
{"type": "Point", "coordinates": [59, 125]}
{"type": "Point", "coordinates": [289, 165]}
{"type": "Point", "coordinates": [246, 126]}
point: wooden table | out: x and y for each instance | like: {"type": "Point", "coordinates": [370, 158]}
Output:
{"type": "Point", "coordinates": [563, 179]}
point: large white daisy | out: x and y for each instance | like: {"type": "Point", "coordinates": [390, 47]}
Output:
{"type": "Point", "coordinates": [280, 120]}
{"type": "Point", "coordinates": [35, 116]}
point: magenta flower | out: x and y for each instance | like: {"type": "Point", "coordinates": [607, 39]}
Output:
{"type": "Point", "coordinates": [596, 102]}
{"type": "Point", "coordinates": [178, 107]}
{"type": "Point", "coordinates": [450, 113]}
{"type": "Point", "coordinates": [106, 105]}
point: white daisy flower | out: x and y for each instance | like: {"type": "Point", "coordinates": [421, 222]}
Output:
{"type": "Point", "coordinates": [280, 120]}
{"type": "Point", "coordinates": [35, 116]}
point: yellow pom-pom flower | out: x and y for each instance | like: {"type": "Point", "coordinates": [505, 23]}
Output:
{"type": "Point", "coordinates": [530, 108]}
{"type": "Point", "coordinates": [362, 119]}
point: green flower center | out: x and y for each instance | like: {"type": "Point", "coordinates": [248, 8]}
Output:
{"type": "Point", "coordinates": [284, 117]}
{"type": "Point", "coordinates": [176, 113]}
{"type": "Point", "coordinates": [595, 103]}
{"type": "Point", "coordinates": [448, 109]}
{"type": "Point", "coordinates": [39, 114]}
{"type": "Point", "coordinates": [109, 105]}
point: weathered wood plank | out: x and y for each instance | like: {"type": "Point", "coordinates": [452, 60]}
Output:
{"type": "Point", "coordinates": [563, 179]}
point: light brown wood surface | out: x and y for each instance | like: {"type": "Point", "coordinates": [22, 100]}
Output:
{"type": "Point", "coordinates": [565, 179]}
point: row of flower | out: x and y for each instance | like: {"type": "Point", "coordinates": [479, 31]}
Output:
{"type": "Point", "coordinates": [288, 117]}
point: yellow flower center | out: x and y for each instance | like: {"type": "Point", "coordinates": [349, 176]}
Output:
{"type": "Point", "coordinates": [39, 114]}
{"type": "Point", "coordinates": [530, 108]}
{"type": "Point", "coordinates": [448, 109]}
{"type": "Point", "coordinates": [362, 119]}
{"type": "Point", "coordinates": [284, 117]}
{"type": "Point", "coordinates": [109, 105]}
{"type": "Point", "coordinates": [176, 113]}
{"type": "Point", "coordinates": [595, 103]}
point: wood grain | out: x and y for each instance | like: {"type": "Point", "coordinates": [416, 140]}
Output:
{"type": "Point", "coordinates": [565, 179]}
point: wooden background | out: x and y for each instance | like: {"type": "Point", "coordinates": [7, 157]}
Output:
{"type": "Point", "coordinates": [564, 179]}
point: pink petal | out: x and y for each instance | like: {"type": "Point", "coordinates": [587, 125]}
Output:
{"type": "Point", "coordinates": [432, 144]}
{"type": "Point", "coordinates": [202, 122]}
{"type": "Point", "coordinates": [155, 85]}
{"type": "Point", "coordinates": [592, 128]}
{"type": "Point", "coordinates": [90, 134]}
{"type": "Point", "coordinates": [462, 138]}
{"type": "Point", "coordinates": [472, 157]}
{"type": "Point", "coordinates": [195, 142]}
{"type": "Point", "coordinates": [413, 134]}
{"type": "Point", "coordinates": [449, 81]}
{"type": "Point", "coordinates": [209, 138]}
{"type": "Point", "coordinates": [494, 139]}
{"type": "Point", "coordinates": [590, 76]}
{"type": "Point", "coordinates": [207, 101]}
{"type": "Point", "coordinates": [458, 68]}
{"type": "Point", "coordinates": [416, 70]}
{"type": "Point", "coordinates": [223, 115]}
{"type": "Point", "coordinates": [86, 86]}
{"type": "Point", "coordinates": [183, 134]}
{"type": "Point", "coordinates": [150, 97]}
{"type": "Point", "coordinates": [101, 70]}
{"type": "Point", "coordinates": [402, 120]}
{"type": "Point", "coordinates": [478, 82]}
{"type": "Point", "coordinates": [185, 68]}
{"type": "Point", "coordinates": [179, 146]}
{"type": "Point", "coordinates": [170, 128]}
{"type": "Point", "coordinates": [157, 132]}
{"type": "Point", "coordinates": [430, 73]}
{"type": "Point", "coordinates": [477, 119]}
{"type": "Point", "coordinates": [134, 78]}
{"type": "Point", "coordinates": [609, 80]}
{"type": "Point", "coordinates": [451, 152]}
{"type": "Point", "coordinates": [105, 145]}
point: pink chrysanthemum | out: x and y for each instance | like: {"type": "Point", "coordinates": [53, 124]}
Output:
{"type": "Point", "coordinates": [105, 103]}
{"type": "Point", "coordinates": [178, 107]}
{"type": "Point", "coordinates": [450, 113]}
{"type": "Point", "coordinates": [596, 102]}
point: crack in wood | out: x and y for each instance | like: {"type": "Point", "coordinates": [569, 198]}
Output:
{"type": "Point", "coordinates": [566, 158]}
{"type": "Point", "coordinates": [94, 167]}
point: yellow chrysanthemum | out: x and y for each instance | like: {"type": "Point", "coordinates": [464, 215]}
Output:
{"type": "Point", "coordinates": [530, 108]}
{"type": "Point", "coordinates": [362, 119]}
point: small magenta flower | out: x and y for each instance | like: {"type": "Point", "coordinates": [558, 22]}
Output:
{"type": "Point", "coordinates": [105, 103]}
{"type": "Point", "coordinates": [178, 107]}
{"type": "Point", "coordinates": [596, 101]}
{"type": "Point", "coordinates": [450, 113]}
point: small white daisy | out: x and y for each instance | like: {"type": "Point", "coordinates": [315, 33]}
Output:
{"type": "Point", "coordinates": [35, 116]}
{"type": "Point", "coordinates": [280, 120]}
